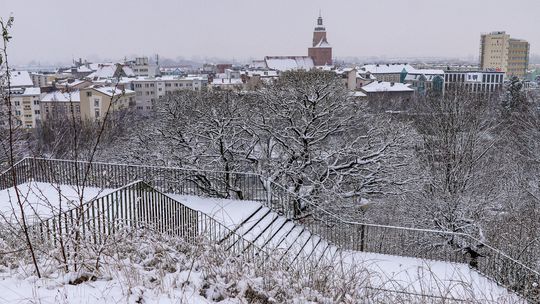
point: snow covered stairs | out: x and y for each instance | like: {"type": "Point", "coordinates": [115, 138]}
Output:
{"type": "Point", "coordinates": [287, 240]}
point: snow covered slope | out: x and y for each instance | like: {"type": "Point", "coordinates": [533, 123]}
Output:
{"type": "Point", "coordinates": [43, 199]}
{"type": "Point", "coordinates": [296, 245]}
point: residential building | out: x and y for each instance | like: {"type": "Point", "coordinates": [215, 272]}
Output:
{"type": "Point", "coordinates": [142, 67]}
{"type": "Point", "coordinates": [254, 78]}
{"type": "Point", "coordinates": [226, 84]}
{"type": "Point", "coordinates": [321, 50]}
{"type": "Point", "coordinates": [389, 72]}
{"type": "Point", "coordinates": [426, 80]}
{"type": "Point", "coordinates": [149, 90]}
{"type": "Point", "coordinates": [110, 71]}
{"type": "Point", "coordinates": [60, 105]}
{"type": "Point", "coordinates": [41, 80]}
{"type": "Point", "coordinates": [501, 53]}
{"type": "Point", "coordinates": [473, 81]}
{"type": "Point", "coordinates": [389, 90]}
{"type": "Point", "coordinates": [73, 84]}
{"type": "Point", "coordinates": [25, 107]}
{"type": "Point", "coordinates": [96, 101]}
{"type": "Point", "coordinates": [20, 79]}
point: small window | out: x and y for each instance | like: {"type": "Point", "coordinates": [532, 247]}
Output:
{"type": "Point", "coordinates": [96, 103]}
{"type": "Point", "coordinates": [37, 112]}
{"type": "Point", "coordinates": [89, 93]}
{"type": "Point", "coordinates": [97, 113]}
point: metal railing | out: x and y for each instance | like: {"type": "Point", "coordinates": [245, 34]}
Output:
{"type": "Point", "coordinates": [402, 241]}
{"type": "Point", "coordinates": [136, 206]}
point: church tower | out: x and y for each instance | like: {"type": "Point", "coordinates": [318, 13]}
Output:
{"type": "Point", "coordinates": [320, 31]}
{"type": "Point", "coordinates": [321, 51]}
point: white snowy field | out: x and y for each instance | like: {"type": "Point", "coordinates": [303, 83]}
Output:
{"type": "Point", "coordinates": [41, 200]}
{"type": "Point", "coordinates": [386, 272]}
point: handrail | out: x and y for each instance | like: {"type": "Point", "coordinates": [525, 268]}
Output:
{"type": "Point", "coordinates": [144, 166]}
{"type": "Point", "coordinates": [410, 229]}
{"type": "Point", "coordinates": [14, 165]}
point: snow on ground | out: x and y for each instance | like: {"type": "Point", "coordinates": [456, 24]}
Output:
{"type": "Point", "coordinates": [387, 272]}
{"type": "Point", "coordinates": [228, 212]}
{"type": "Point", "coordinates": [44, 199]}
{"type": "Point", "coordinates": [53, 291]}
{"type": "Point", "coordinates": [437, 278]}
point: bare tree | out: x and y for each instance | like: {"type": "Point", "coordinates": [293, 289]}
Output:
{"type": "Point", "coordinates": [455, 153]}
{"type": "Point", "coordinates": [10, 145]}
{"type": "Point", "coordinates": [319, 141]}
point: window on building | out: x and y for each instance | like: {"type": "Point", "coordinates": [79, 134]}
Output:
{"type": "Point", "coordinates": [89, 93]}
{"type": "Point", "coordinates": [97, 113]}
{"type": "Point", "coordinates": [18, 113]}
{"type": "Point", "coordinates": [96, 103]}
{"type": "Point", "coordinates": [36, 102]}
{"type": "Point", "coordinates": [37, 112]}
{"type": "Point", "coordinates": [17, 103]}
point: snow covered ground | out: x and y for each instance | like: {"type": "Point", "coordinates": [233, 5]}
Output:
{"type": "Point", "coordinates": [43, 199]}
{"type": "Point", "coordinates": [264, 228]}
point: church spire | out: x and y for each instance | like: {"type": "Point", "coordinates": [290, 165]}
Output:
{"type": "Point", "coordinates": [320, 25]}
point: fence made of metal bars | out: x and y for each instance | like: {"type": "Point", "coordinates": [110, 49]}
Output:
{"type": "Point", "coordinates": [420, 243]}
{"type": "Point", "coordinates": [138, 206]}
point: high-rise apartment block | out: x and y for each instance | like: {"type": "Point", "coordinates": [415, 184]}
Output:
{"type": "Point", "coordinates": [501, 53]}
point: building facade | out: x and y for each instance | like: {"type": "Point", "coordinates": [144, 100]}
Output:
{"type": "Point", "coordinates": [25, 107]}
{"type": "Point", "coordinates": [473, 81]}
{"type": "Point", "coordinates": [60, 105]}
{"type": "Point", "coordinates": [501, 53]}
{"type": "Point", "coordinates": [149, 90]}
{"type": "Point", "coordinates": [95, 101]}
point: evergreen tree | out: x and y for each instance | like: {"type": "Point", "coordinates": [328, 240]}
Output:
{"type": "Point", "coordinates": [514, 96]}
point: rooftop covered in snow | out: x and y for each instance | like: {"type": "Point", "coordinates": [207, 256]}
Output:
{"type": "Point", "coordinates": [289, 63]}
{"type": "Point", "coordinates": [383, 86]}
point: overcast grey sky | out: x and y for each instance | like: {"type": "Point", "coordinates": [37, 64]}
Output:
{"type": "Point", "coordinates": [58, 30]}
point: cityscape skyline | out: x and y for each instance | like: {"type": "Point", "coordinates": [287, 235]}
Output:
{"type": "Point", "coordinates": [245, 30]}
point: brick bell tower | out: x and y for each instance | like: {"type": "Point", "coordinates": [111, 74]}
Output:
{"type": "Point", "coordinates": [321, 51]}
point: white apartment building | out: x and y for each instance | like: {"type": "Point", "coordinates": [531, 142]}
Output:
{"type": "Point", "coordinates": [148, 90]}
